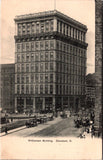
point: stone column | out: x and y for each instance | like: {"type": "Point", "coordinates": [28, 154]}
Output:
{"type": "Point", "coordinates": [74, 104]}
{"type": "Point", "coordinates": [15, 104]}
{"type": "Point", "coordinates": [24, 104]}
{"type": "Point", "coordinates": [53, 103]}
{"type": "Point", "coordinates": [34, 108]}
{"type": "Point", "coordinates": [62, 102]}
{"type": "Point", "coordinates": [43, 103]}
{"type": "Point", "coordinates": [68, 103]}
{"type": "Point", "coordinates": [55, 24]}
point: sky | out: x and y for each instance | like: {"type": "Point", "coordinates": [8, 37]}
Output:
{"type": "Point", "coordinates": [80, 10]}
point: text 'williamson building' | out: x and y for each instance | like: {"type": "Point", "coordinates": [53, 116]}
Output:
{"type": "Point", "coordinates": [50, 65]}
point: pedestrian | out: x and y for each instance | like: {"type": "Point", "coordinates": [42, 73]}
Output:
{"type": "Point", "coordinates": [6, 130]}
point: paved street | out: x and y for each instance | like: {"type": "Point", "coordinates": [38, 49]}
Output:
{"type": "Point", "coordinates": [57, 127]}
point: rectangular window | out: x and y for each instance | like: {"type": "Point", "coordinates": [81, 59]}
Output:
{"type": "Point", "coordinates": [51, 55]}
{"type": "Point", "coordinates": [36, 57]}
{"type": "Point", "coordinates": [18, 57]}
{"type": "Point", "coordinates": [51, 25]}
{"type": "Point", "coordinates": [27, 46]}
{"type": "Point", "coordinates": [27, 79]}
{"type": "Point", "coordinates": [36, 45]}
{"type": "Point", "coordinates": [28, 28]}
{"type": "Point", "coordinates": [18, 89]}
{"type": "Point", "coordinates": [46, 78]}
{"type": "Point", "coordinates": [32, 89]}
{"type": "Point", "coordinates": [51, 77]}
{"type": "Point", "coordinates": [27, 57]}
{"type": "Point", "coordinates": [27, 89]}
{"type": "Point", "coordinates": [24, 28]}
{"type": "Point", "coordinates": [42, 27]}
{"type": "Point", "coordinates": [47, 26]}
{"type": "Point", "coordinates": [18, 68]}
{"type": "Point", "coordinates": [37, 27]}
{"type": "Point", "coordinates": [32, 56]}
{"type": "Point", "coordinates": [32, 67]}
{"type": "Point", "coordinates": [41, 45]}
{"type": "Point", "coordinates": [41, 56]}
{"type": "Point", "coordinates": [27, 67]}
{"type": "Point", "coordinates": [51, 66]}
{"type": "Point", "coordinates": [33, 28]}
{"type": "Point", "coordinates": [32, 78]}
{"type": "Point", "coordinates": [51, 44]}
{"type": "Point", "coordinates": [47, 45]}
{"type": "Point", "coordinates": [32, 46]}
{"type": "Point", "coordinates": [36, 77]}
{"type": "Point", "coordinates": [41, 67]}
{"type": "Point", "coordinates": [19, 29]}
{"type": "Point", "coordinates": [46, 56]}
{"type": "Point", "coordinates": [36, 89]}
{"type": "Point", "coordinates": [18, 79]}
{"type": "Point", "coordinates": [22, 79]}
{"type": "Point", "coordinates": [23, 46]}
{"type": "Point", "coordinates": [46, 89]}
{"type": "Point", "coordinates": [41, 78]}
{"type": "Point", "coordinates": [22, 89]}
{"type": "Point", "coordinates": [36, 67]}
{"type": "Point", "coordinates": [51, 89]}
{"type": "Point", "coordinates": [41, 89]}
{"type": "Point", "coordinates": [23, 58]}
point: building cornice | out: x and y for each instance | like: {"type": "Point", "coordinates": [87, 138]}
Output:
{"type": "Point", "coordinates": [49, 14]}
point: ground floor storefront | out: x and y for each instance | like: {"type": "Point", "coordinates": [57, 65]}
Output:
{"type": "Point", "coordinates": [48, 103]}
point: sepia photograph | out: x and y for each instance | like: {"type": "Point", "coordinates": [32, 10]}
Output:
{"type": "Point", "coordinates": [51, 79]}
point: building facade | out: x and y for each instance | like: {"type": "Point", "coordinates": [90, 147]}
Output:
{"type": "Point", "coordinates": [99, 64]}
{"type": "Point", "coordinates": [50, 67]}
{"type": "Point", "coordinates": [90, 90]}
{"type": "Point", "coordinates": [7, 84]}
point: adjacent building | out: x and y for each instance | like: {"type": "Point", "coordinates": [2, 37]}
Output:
{"type": "Point", "coordinates": [7, 85]}
{"type": "Point", "coordinates": [99, 64]}
{"type": "Point", "coordinates": [90, 90]}
{"type": "Point", "coordinates": [50, 66]}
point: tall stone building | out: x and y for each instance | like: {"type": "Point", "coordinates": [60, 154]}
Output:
{"type": "Point", "coordinates": [50, 67]}
{"type": "Point", "coordinates": [7, 87]}
{"type": "Point", "coordinates": [98, 63]}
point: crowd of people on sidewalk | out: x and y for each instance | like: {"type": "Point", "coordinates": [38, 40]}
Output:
{"type": "Point", "coordinates": [87, 123]}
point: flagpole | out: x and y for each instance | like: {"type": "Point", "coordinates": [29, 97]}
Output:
{"type": "Point", "coordinates": [54, 4]}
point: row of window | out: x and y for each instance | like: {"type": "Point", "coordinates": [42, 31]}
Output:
{"type": "Point", "coordinates": [49, 89]}
{"type": "Point", "coordinates": [35, 45]}
{"type": "Point", "coordinates": [50, 56]}
{"type": "Point", "coordinates": [50, 66]}
{"type": "Point", "coordinates": [49, 45]}
{"type": "Point", "coordinates": [36, 56]}
{"type": "Point", "coordinates": [35, 27]}
{"type": "Point", "coordinates": [48, 26]}
{"type": "Point", "coordinates": [49, 78]}
{"type": "Point", "coordinates": [68, 30]}
{"type": "Point", "coordinates": [31, 89]}
{"type": "Point", "coordinates": [37, 78]}
{"type": "Point", "coordinates": [37, 67]}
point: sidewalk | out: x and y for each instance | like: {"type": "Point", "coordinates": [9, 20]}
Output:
{"type": "Point", "coordinates": [39, 127]}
